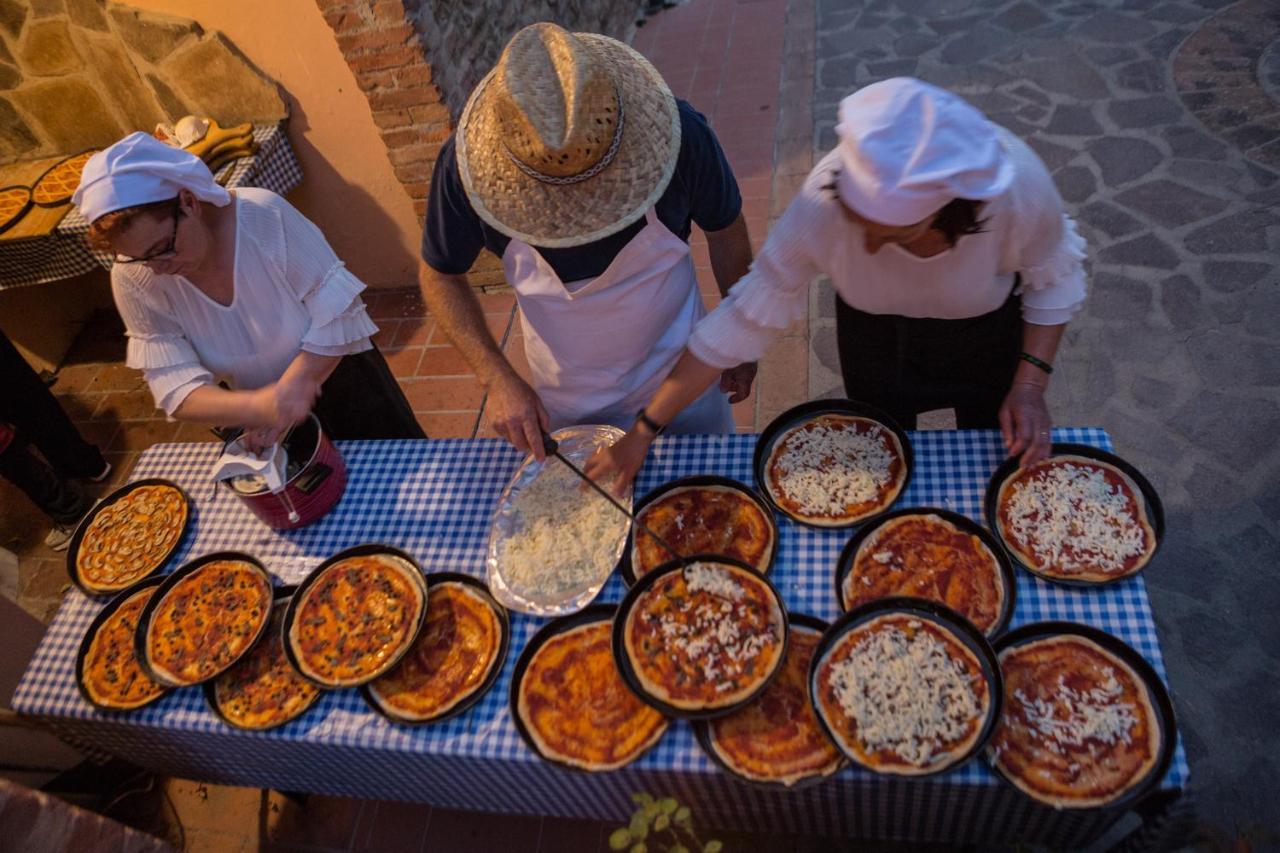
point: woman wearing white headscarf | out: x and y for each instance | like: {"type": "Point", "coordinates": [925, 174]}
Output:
{"type": "Point", "coordinates": [238, 290]}
{"type": "Point", "coordinates": [955, 267]}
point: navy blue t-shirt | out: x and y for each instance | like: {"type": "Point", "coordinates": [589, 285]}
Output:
{"type": "Point", "coordinates": [702, 190]}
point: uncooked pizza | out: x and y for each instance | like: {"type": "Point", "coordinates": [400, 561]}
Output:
{"type": "Point", "coordinates": [110, 671]}
{"type": "Point", "coordinates": [262, 690]}
{"type": "Point", "coordinates": [902, 695]}
{"type": "Point", "coordinates": [776, 738]}
{"type": "Point", "coordinates": [356, 619]}
{"type": "Point", "coordinates": [452, 658]}
{"type": "Point", "coordinates": [575, 706]}
{"type": "Point", "coordinates": [1075, 518]}
{"type": "Point", "coordinates": [1077, 728]}
{"type": "Point", "coordinates": [835, 470]}
{"type": "Point", "coordinates": [703, 520]}
{"type": "Point", "coordinates": [207, 620]}
{"type": "Point", "coordinates": [13, 203]}
{"type": "Point", "coordinates": [705, 636]}
{"type": "Point", "coordinates": [131, 537]}
{"type": "Point", "coordinates": [57, 185]}
{"type": "Point", "coordinates": [926, 556]}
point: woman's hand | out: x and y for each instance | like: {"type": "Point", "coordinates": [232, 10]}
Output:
{"type": "Point", "coordinates": [1025, 423]}
{"type": "Point", "coordinates": [295, 394]}
{"type": "Point", "coordinates": [516, 413]}
{"type": "Point", "coordinates": [258, 439]}
{"type": "Point", "coordinates": [620, 461]}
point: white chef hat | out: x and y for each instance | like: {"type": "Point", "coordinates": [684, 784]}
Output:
{"type": "Point", "coordinates": [140, 169]}
{"type": "Point", "coordinates": [907, 148]}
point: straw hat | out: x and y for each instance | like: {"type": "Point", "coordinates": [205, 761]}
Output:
{"type": "Point", "coordinates": [570, 138]}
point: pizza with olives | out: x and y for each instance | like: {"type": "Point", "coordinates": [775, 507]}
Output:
{"type": "Point", "coordinates": [262, 690]}
{"type": "Point", "coordinates": [130, 537]}
{"type": "Point", "coordinates": [109, 671]}
{"type": "Point", "coordinates": [708, 519]}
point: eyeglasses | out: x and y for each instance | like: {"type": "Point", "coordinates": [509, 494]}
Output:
{"type": "Point", "coordinates": [162, 253]}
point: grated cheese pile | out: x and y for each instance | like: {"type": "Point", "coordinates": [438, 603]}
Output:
{"type": "Point", "coordinates": [829, 467]}
{"type": "Point", "coordinates": [568, 538]}
{"type": "Point", "coordinates": [1089, 715]}
{"type": "Point", "coordinates": [906, 694]}
{"type": "Point", "coordinates": [1074, 520]}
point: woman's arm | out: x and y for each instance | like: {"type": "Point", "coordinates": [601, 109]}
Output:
{"type": "Point", "coordinates": [1024, 416]}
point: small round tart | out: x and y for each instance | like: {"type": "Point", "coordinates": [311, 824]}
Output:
{"type": "Point", "coordinates": [576, 708]}
{"type": "Point", "coordinates": [902, 695]}
{"type": "Point", "coordinates": [206, 621]}
{"type": "Point", "coordinates": [835, 470]}
{"type": "Point", "coordinates": [110, 672]}
{"type": "Point", "coordinates": [1077, 729]}
{"type": "Point", "coordinates": [776, 738]}
{"type": "Point", "coordinates": [925, 556]}
{"type": "Point", "coordinates": [130, 537]}
{"type": "Point", "coordinates": [705, 636]}
{"type": "Point", "coordinates": [262, 691]}
{"type": "Point", "coordinates": [356, 619]}
{"type": "Point", "coordinates": [455, 653]}
{"type": "Point", "coordinates": [1075, 518]}
{"type": "Point", "coordinates": [57, 185]}
{"type": "Point", "coordinates": [13, 203]}
{"type": "Point", "coordinates": [707, 519]}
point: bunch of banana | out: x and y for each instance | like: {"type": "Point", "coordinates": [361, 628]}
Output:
{"type": "Point", "coordinates": [220, 145]}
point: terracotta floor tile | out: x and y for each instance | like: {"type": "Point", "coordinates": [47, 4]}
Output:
{"type": "Point", "coordinates": [499, 324]}
{"type": "Point", "coordinates": [323, 822]}
{"type": "Point", "coordinates": [395, 827]}
{"type": "Point", "coordinates": [475, 832]}
{"type": "Point", "coordinates": [194, 432]}
{"type": "Point", "coordinates": [394, 304]}
{"type": "Point", "coordinates": [75, 377]}
{"type": "Point", "coordinates": [81, 405]}
{"type": "Point", "coordinates": [414, 332]}
{"type": "Point", "coordinates": [214, 807]}
{"type": "Point", "coordinates": [139, 435]}
{"type": "Point", "coordinates": [127, 406]}
{"type": "Point", "coordinates": [117, 377]}
{"type": "Point", "coordinates": [448, 424]}
{"type": "Point", "coordinates": [744, 413]}
{"type": "Point", "coordinates": [496, 303]}
{"type": "Point", "coordinates": [443, 395]}
{"type": "Point", "coordinates": [443, 361]}
{"type": "Point", "coordinates": [386, 334]}
{"type": "Point", "coordinates": [783, 380]}
{"type": "Point", "coordinates": [403, 362]}
{"type": "Point", "coordinates": [98, 433]}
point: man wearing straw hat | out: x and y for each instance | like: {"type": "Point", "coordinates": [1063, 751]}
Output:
{"type": "Point", "coordinates": [576, 166]}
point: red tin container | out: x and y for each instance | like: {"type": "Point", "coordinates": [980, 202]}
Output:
{"type": "Point", "coordinates": [310, 492]}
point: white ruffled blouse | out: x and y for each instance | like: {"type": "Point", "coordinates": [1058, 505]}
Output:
{"type": "Point", "coordinates": [1026, 232]}
{"type": "Point", "coordinates": [291, 294]}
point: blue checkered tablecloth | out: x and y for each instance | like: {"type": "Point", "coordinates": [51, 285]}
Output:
{"type": "Point", "coordinates": [434, 499]}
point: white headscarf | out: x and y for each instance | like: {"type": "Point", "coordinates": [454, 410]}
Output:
{"type": "Point", "coordinates": [908, 148]}
{"type": "Point", "coordinates": [140, 169]}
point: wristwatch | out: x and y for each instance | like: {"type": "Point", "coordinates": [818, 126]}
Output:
{"type": "Point", "coordinates": [653, 425]}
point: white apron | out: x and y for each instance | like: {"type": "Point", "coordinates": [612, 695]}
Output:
{"type": "Point", "coordinates": [599, 351]}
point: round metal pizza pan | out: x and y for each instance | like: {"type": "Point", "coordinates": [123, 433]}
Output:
{"type": "Point", "coordinates": [942, 616]}
{"type": "Point", "coordinates": [1156, 691]}
{"type": "Point", "coordinates": [798, 415]}
{"type": "Point", "coordinates": [73, 548]}
{"type": "Point", "coordinates": [45, 174]}
{"type": "Point", "coordinates": [17, 217]}
{"type": "Point", "coordinates": [495, 670]}
{"type": "Point", "coordinates": [628, 570]}
{"type": "Point", "coordinates": [411, 570]}
{"type": "Point", "coordinates": [103, 615]}
{"type": "Point", "coordinates": [702, 730]}
{"type": "Point", "coordinates": [279, 602]}
{"type": "Point", "coordinates": [554, 628]}
{"type": "Point", "coordinates": [624, 661]}
{"type": "Point", "coordinates": [168, 583]}
{"type": "Point", "coordinates": [845, 564]}
{"type": "Point", "coordinates": [1154, 506]}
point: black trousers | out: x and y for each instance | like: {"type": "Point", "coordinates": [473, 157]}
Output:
{"type": "Point", "coordinates": [908, 365]}
{"type": "Point", "coordinates": [362, 400]}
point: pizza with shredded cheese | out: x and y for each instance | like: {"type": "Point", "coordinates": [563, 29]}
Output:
{"type": "Point", "coordinates": [836, 469]}
{"type": "Point", "coordinates": [130, 538]}
{"type": "Point", "coordinates": [902, 695]}
{"type": "Point", "coordinates": [705, 636]}
{"type": "Point", "coordinates": [776, 738]}
{"type": "Point", "coordinates": [452, 658]}
{"type": "Point", "coordinates": [1077, 728]}
{"type": "Point", "coordinates": [356, 619]}
{"type": "Point", "coordinates": [703, 520]}
{"type": "Point", "coordinates": [207, 620]}
{"type": "Point", "coordinates": [262, 690]}
{"type": "Point", "coordinates": [110, 672]}
{"type": "Point", "coordinates": [1075, 518]}
{"type": "Point", "coordinates": [575, 706]}
{"type": "Point", "coordinates": [926, 556]}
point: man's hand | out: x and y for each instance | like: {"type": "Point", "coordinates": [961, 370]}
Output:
{"type": "Point", "coordinates": [620, 461]}
{"type": "Point", "coordinates": [736, 381]}
{"type": "Point", "coordinates": [517, 414]}
{"type": "Point", "coordinates": [1025, 423]}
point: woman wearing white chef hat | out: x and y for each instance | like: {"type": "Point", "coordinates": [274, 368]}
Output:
{"type": "Point", "coordinates": [236, 289]}
{"type": "Point", "coordinates": [955, 268]}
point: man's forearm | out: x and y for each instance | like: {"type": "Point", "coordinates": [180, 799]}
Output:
{"type": "Point", "coordinates": [453, 305]}
{"type": "Point", "coordinates": [730, 252]}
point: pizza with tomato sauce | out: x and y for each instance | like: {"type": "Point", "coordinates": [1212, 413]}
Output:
{"type": "Point", "coordinates": [356, 619]}
{"type": "Point", "coordinates": [454, 654]}
{"type": "Point", "coordinates": [703, 520]}
{"type": "Point", "coordinates": [902, 695]}
{"type": "Point", "coordinates": [1078, 728]}
{"type": "Point", "coordinates": [1075, 518]}
{"type": "Point", "coordinates": [109, 671]}
{"type": "Point", "coordinates": [776, 738]}
{"type": "Point", "coordinates": [263, 691]}
{"type": "Point", "coordinates": [207, 621]}
{"type": "Point", "coordinates": [575, 706]}
{"type": "Point", "coordinates": [130, 537]}
{"type": "Point", "coordinates": [926, 556]}
{"type": "Point", "coordinates": [835, 470]}
{"type": "Point", "coordinates": [705, 636]}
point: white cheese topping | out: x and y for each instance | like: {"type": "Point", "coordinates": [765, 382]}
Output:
{"type": "Point", "coordinates": [705, 577]}
{"type": "Point", "coordinates": [1070, 718]}
{"type": "Point", "coordinates": [829, 467]}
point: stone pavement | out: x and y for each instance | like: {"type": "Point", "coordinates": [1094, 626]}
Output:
{"type": "Point", "coordinates": [1160, 120]}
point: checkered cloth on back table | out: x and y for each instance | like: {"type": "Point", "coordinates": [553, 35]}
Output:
{"type": "Point", "coordinates": [434, 499]}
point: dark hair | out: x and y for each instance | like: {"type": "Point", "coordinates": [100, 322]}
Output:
{"type": "Point", "coordinates": [109, 226]}
{"type": "Point", "coordinates": [958, 218]}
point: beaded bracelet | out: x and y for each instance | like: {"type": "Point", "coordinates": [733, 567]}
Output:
{"type": "Point", "coordinates": [1031, 359]}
